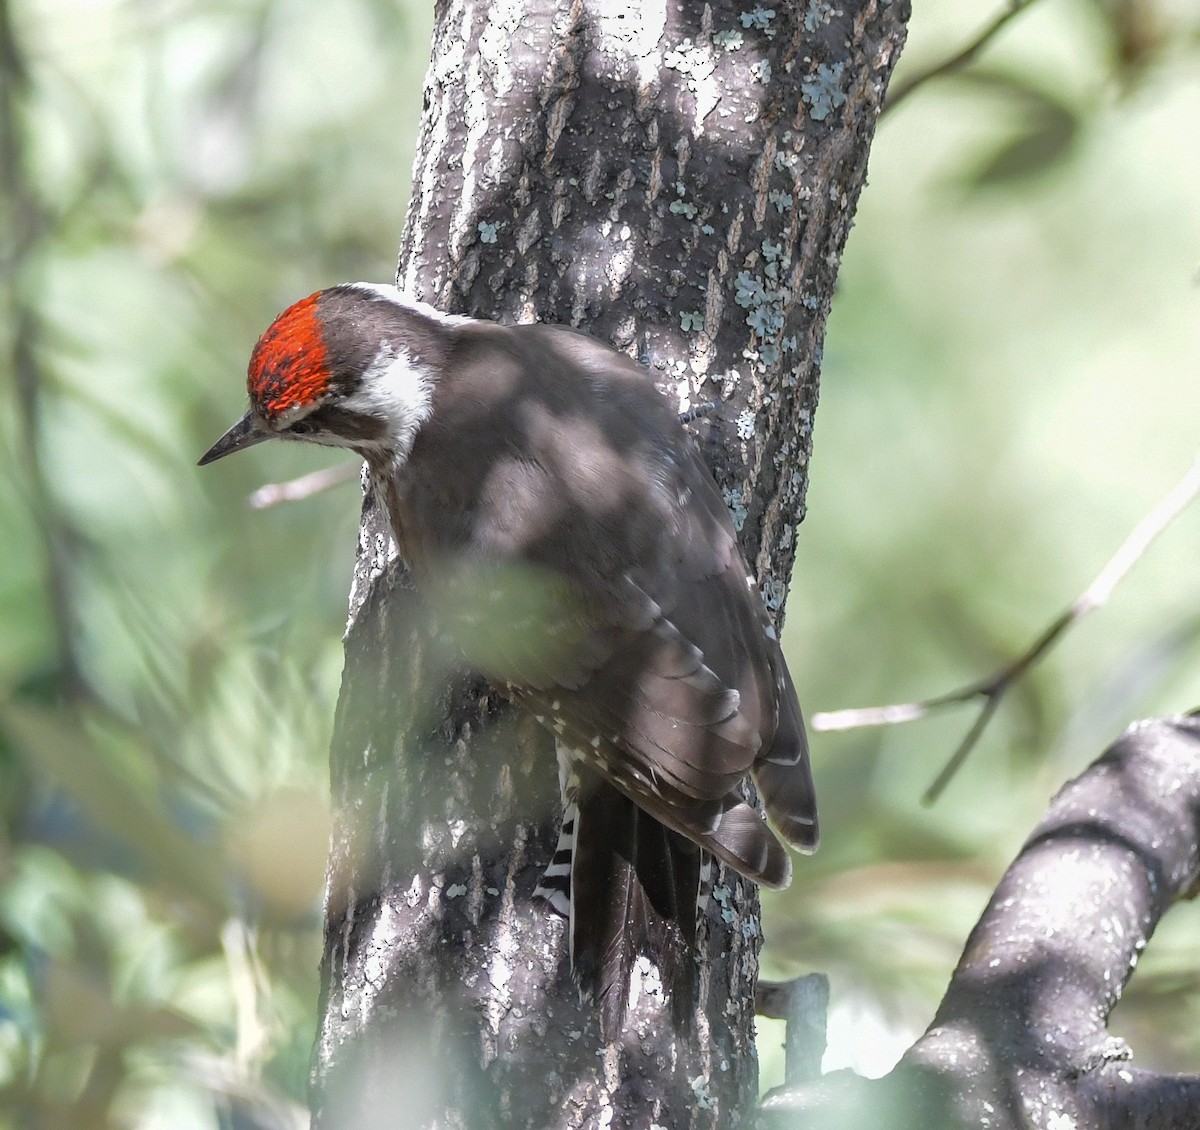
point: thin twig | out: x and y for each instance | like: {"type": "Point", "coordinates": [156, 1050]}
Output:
{"type": "Point", "coordinates": [993, 688]}
{"type": "Point", "coordinates": [304, 487]}
{"type": "Point", "coordinates": [959, 60]}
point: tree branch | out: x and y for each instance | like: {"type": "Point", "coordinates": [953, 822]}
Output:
{"type": "Point", "coordinates": [1020, 1038]}
{"type": "Point", "coordinates": [960, 59]}
{"type": "Point", "coordinates": [295, 490]}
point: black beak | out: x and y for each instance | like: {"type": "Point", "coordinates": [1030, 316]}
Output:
{"type": "Point", "coordinates": [245, 433]}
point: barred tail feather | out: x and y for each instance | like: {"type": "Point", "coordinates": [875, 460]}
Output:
{"type": "Point", "coordinates": [555, 885]}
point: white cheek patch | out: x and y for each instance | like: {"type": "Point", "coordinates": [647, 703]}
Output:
{"type": "Point", "coordinates": [399, 390]}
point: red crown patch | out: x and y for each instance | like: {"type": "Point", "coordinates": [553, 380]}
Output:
{"type": "Point", "coordinates": [289, 366]}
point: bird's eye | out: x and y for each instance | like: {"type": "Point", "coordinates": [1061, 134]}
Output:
{"type": "Point", "coordinates": [303, 428]}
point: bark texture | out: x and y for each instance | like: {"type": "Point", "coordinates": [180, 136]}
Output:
{"type": "Point", "coordinates": [677, 180]}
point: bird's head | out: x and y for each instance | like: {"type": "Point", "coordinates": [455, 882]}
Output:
{"type": "Point", "coordinates": [352, 366]}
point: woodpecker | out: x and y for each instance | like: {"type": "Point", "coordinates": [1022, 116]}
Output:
{"type": "Point", "coordinates": [542, 468]}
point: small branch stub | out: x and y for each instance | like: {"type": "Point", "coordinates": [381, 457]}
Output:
{"type": "Point", "coordinates": [804, 1004]}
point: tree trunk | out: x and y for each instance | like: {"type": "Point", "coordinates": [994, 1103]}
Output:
{"type": "Point", "coordinates": [677, 180]}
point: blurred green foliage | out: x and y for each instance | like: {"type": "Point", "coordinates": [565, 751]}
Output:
{"type": "Point", "coordinates": [1010, 382]}
{"type": "Point", "coordinates": [173, 174]}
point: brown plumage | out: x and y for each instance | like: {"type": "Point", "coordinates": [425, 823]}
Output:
{"type": "Point", "coordinates": [533, 470]}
